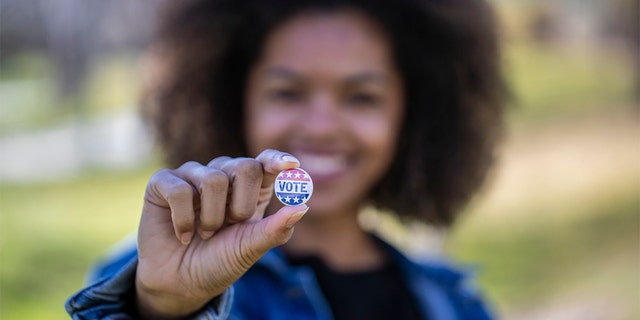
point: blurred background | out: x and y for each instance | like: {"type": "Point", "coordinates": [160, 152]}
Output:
{"type": "Point", "coordinates": [554, 235]}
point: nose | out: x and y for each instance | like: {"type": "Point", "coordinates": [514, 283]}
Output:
{"type": "Point", "coordinates": [322, 117]}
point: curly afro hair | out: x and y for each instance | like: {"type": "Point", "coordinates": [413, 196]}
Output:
{"type": "Point", "coordinates": [447, 52]}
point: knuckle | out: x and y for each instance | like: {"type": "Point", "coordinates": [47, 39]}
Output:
{"type": "Point", "coordinates": [217, 161]}
{"type": "Point", "coordinates": [159, 176]}
{"type": "Point", "coordinates": [215, 181]}
{"type": "Point", "coordinates": [180, 192]}
{"type": "Point", "coordinates": [190, 165]}
{"type": "Point", "coordinates": [267, 153]}
{"type": "Point", "coordinates": [249, 168]}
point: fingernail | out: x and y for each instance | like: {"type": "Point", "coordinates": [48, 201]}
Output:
{"type": "Point", "coordinates": [290, 159]}
{"type": "Point", "coordinates": [205, 235]}
{"type": "Point", "coordinates": [296, 217]}
{"type": "Point", "coordinates": [185, 238]}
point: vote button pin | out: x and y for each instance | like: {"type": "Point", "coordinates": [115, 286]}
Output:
{"type": "Point", "coordinates": [293, 186]}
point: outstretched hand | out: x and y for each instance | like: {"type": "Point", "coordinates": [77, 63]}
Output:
{"type": "Point", "coordinates": [203, 226]}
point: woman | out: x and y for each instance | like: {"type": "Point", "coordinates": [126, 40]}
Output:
{"type": "Point", "coordinates": [395, 104]}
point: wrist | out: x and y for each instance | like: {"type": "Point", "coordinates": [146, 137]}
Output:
{"type": "Point", "coordinates": [152, 304]}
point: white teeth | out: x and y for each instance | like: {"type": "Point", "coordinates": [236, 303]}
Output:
{"type": "Point", "coordinates": [322, 164]}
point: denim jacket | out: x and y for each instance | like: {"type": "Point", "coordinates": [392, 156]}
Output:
{"type": "Point", "coordinates": [273, 289]}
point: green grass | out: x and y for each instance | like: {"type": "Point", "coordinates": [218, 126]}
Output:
{"type": "Point", "coordinates": [594, 253]}
{"type": "Point", "coordinates": [51, 234]}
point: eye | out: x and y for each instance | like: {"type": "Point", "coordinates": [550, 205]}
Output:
{"type": "Point", "coordinates": [286, 95]}
{"type": "Point", "coordinates": [362, 99]}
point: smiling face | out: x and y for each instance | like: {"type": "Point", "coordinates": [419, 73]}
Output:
{"type": "Point", "coordinates": [326, 90]}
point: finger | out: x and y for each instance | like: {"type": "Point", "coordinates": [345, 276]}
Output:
{"type": "Point", "coordinates": [218, 162]}
{"type": "Point", "coordinates": [212, 186]}
{"type": "Point", "coordinates": [246, 178]}
{"type": "Point", "coordinates": [178, 195]}
{"type": "Point", "coordinates": [274, 161]}
{"type": "Point", "coordinates": [213, 201]}
{"type": "Point", "coordinates": [276, 229]}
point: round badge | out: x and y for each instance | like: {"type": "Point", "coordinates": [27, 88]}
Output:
{"type": "Point", "coordinates": [293, 186]}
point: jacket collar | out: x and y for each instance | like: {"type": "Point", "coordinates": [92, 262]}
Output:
{"type": "Point", "coordinates": [436, 270]}
{"type": "Point", "coordinates": [430, 281]}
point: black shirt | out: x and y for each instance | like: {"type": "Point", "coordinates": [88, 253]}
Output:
{"type": "Point", "coordinates": [379, 293]}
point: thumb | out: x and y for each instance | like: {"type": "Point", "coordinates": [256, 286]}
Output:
{"type": "Point", "coordinates": [277, 228]}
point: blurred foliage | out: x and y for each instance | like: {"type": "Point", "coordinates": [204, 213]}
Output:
{"type": "Point", "coordinates": [20, 80]}
{"type": "Point", "coordinates": [560, 60]}
{"type": "Point", "coordinates": [549, 82]}
{"type": "Point", "coordinates": [30, 101]}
